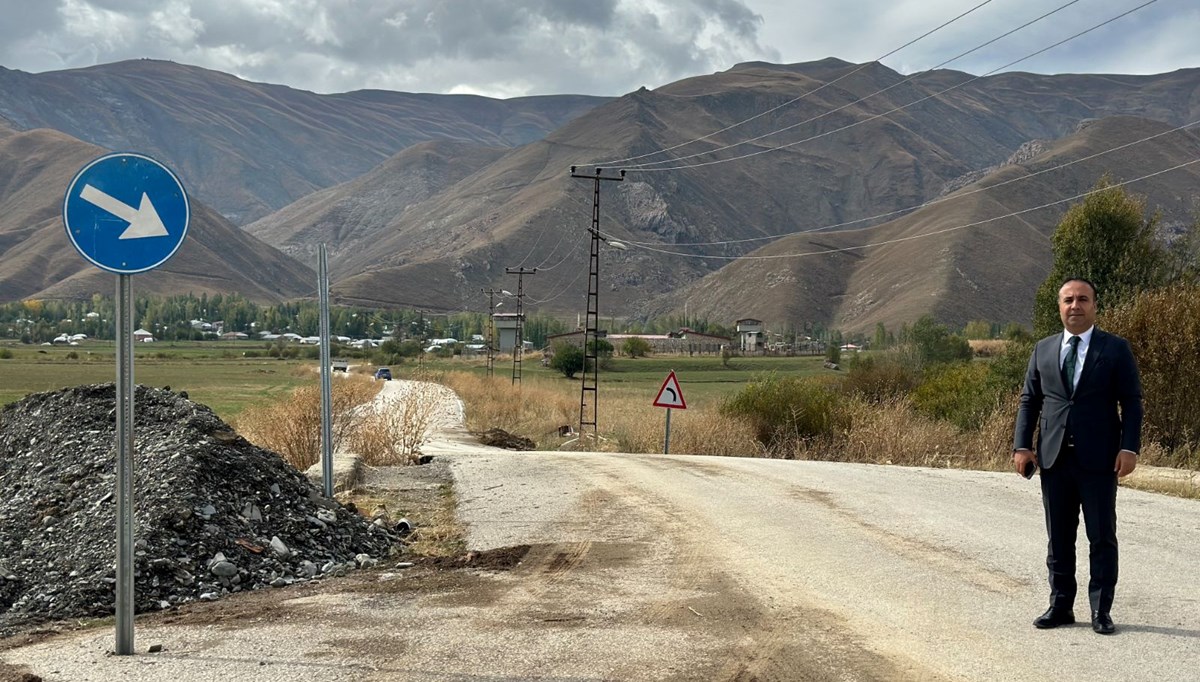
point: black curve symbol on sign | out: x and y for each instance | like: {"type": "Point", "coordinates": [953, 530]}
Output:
{"type": "Point", "coordinates": [674, 397]}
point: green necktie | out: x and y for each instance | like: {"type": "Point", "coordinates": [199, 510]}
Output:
{"type": "Point", "coordinates": [1068, 368]}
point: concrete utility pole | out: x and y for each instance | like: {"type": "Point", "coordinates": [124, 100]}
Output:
{"type": "Point", "coordinates": [591, 376]}
{"type": "Point", "coordinates": [519, 346]}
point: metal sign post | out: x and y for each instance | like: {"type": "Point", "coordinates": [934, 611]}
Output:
{"type": "Point", "coordinates": [326, 376]}
{"type": "Point", "coordinates": [670, 396]}
{"type": "Point", "coordinates": [125, 213]}
{"type": "Point", "coordinates": [667, 437]}
{"type": "Point", "coordinates": [124, 465]}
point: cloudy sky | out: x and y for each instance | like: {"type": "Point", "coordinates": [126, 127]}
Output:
{"type": "Point", "coordinates": [506, 48]}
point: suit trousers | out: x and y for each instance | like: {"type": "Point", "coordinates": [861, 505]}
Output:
{"type": "Point", "coordinates": [1066, 488]}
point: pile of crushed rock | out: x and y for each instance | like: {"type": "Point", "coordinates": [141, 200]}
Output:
{"type": "Point", "coordinates": [213, 513]}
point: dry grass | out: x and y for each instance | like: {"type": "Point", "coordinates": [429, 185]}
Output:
{"type": "Point", "coordinates": [695, 431]}
{"type": "Point", "coordinates": [544, 405]}
{"type": "Point", "coordinates": [1176, 488]}
{"type": "Point", "coordinates": [436, 530]}
{"type": "Point", "coordinates": [892, 432]}
{"type": "Point", "coordinates": [536, 408]}
{"type": "Point", "coordinates": [291, 424]}
{"type": "Point", "coordinates": [987, 348]}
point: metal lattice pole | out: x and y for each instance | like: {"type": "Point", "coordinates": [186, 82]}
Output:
{"type": "Point", "coordinates": [590, 384]}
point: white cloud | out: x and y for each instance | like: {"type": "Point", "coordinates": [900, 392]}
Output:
{"type": "Point", "coordinates": [520, 47]}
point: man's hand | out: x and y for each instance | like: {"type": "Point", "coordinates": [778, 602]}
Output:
{"type": "Point", "coordinates": [1126, 463]}
{"type": "Point", "coordinates": [1021, 458]}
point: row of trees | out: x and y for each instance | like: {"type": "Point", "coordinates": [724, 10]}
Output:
{"type": "Point", "coordinates": [1148, 291]}
{"type": "Point", "coordinates": [169, 318]}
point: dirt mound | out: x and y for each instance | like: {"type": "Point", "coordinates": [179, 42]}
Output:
{"type": "Point", "coordinates": [213, 513]}
{"type": "Point", "coordinates": [499, 438]}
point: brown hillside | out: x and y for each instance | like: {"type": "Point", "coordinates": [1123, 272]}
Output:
{"type": "Point", "coordinates": [38, 261]}
{"type": "Point", "coordinates": [524, 209]}
{"type": "Point", "coordinates": [987, 271]}
{"type": "Point", "coordinates": [247, 148]}
{"type": "Point", "coordinates": [351, 216]}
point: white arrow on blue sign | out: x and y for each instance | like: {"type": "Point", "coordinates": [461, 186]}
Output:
{"type": "Point", "coordinates": [126, 213]}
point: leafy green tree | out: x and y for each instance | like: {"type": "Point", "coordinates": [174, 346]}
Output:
{"type": "Point", "coordinates": [978, 329]}
{"type": "Point", "coordinates": [1108, 240]}
{"type": "Point", "coordinates": [1013, 331]}
{"type": "Point", "coordinates": [602, 348]}
{"type": "Point", "coordinates": [1163, 327]}
{"type": "Point", "coordinates": [568, 359]}
{"type": "Point", "coordinates": [636, 347]}
{"type": "Point", "coordinates": [880, 341]}
{"type": "Point", "coordinates": [833, 353]}
{"type": "Point", "coordinates": [785, 410]}
{"type": "Point", "coordinates": [936, 344]}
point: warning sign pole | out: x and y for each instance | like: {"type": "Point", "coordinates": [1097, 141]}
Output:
{"type": "Point", "coordinates": [670, 396]}
{"type": "Point", "coordinates": [667, 440]}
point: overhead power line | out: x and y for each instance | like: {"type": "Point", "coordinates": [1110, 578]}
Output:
{"type": "Point", "coordinates": [644, 168]}
{"type": "Point", "coordinates": [804, 95]}
{"type": "Point", "coordinates": [932, 202]}
{"type": "Point", "coordinates": [923, 234]}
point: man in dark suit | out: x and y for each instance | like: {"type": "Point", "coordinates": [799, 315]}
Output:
{"type": "Point", "coordinates": [1075, 383]}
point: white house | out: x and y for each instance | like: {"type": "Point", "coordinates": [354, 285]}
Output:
{"type": "Point", "coordinates": [142, 336]}
{"type": "Point", "coordinates": [751, 334]}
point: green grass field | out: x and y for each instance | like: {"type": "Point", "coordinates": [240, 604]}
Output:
{"type": "Point", "coordinates": [218, 375]}
{"type": "Point", "coordinates": [214, 374]}
{"type": "Point", "coordinates": [704, 380]}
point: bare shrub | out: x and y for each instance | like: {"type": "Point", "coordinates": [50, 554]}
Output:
{"type": "Point", "coordinates": [882, 376]}
{"type": "Point", "coordinates": [291, 424]}
{"type": "Point", "coordinates": [990, 446]}
{"type": "Point", "coordinates": [391, 431]}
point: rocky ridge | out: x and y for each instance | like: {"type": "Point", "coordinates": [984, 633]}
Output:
{"type": "Point", "coordinates": [213, 513]}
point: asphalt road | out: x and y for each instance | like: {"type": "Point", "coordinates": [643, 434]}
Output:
{"type": "Point", "coordinates": [938, 573]}
{"type": "Point", "coordinates": [651, 567]}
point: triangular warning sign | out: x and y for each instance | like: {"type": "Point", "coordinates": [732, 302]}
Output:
{"type": "Point", "coordinates": [670, 395]}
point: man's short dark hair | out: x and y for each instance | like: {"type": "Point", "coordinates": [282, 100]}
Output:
{"type": "Point", "coordinates": [1079, 279]}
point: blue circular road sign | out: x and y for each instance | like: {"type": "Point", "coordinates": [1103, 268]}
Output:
{"type": "Point", "coordinates": [126, 213]}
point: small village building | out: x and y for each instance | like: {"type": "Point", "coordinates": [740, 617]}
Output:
{"type": "Point", "coordinates": [506, 330]}
{"type": "Point", "coordinates": [142, 336]}
{"type": "Point", "coordinates": [752, 335]}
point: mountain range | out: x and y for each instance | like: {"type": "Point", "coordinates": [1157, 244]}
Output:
{"type": "Point", "coordinates": [423, 200]}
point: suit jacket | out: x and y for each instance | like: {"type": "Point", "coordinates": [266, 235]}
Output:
{"type": "Point", "coordinates": [1108, 380]}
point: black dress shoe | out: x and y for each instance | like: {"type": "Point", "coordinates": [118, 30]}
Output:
{"type": "Point", "coordinates": [1102, 624]}
{"type": "Point", "coordinates": [1053, 618]}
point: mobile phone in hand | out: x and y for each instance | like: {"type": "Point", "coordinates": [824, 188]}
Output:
{"type": "Point", "coordinates": [1030, 467]}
